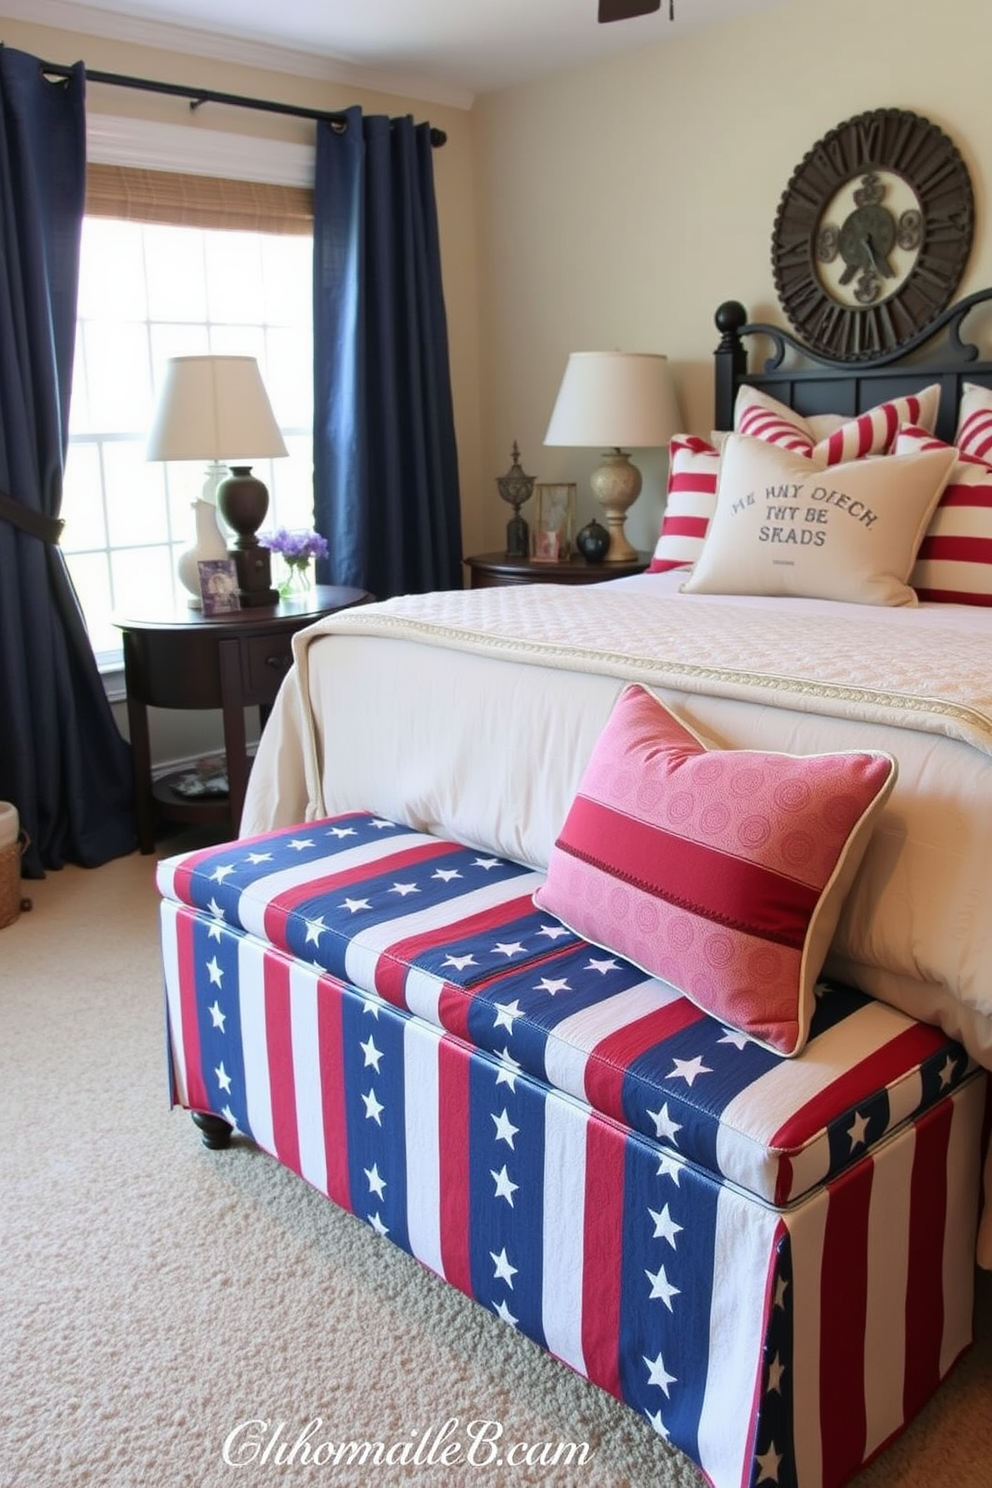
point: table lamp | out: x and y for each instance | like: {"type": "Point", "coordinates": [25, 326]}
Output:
{"type": "Point", "coordinates": [216, 408]}
{"type": "Point", "coordinates": [609, 399]}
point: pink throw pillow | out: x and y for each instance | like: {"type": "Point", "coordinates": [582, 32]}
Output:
{"type": "Point", "coordinates": [723, 872]}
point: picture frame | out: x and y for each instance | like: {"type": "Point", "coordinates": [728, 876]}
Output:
{"type": "Point", "coordinates": [554, 515]}
{"type": "Point", "coordinates": [219, 586]}
{"type": "Point", "coordinates": [547, 546]}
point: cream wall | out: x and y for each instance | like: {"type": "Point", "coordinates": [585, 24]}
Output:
{"type": "Point", "coordinates": [619, 204]}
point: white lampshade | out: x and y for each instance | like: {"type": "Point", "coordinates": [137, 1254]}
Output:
{"type": "Point", "coordinates": [609, 399]}
{"type": "Point", "coordinates": [614, 400]}
{"type": "Point", "coordinates": [214, 408]}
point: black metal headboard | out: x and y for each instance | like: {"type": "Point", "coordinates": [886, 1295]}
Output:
{"type": "Point", "coordinates": [817, 385]}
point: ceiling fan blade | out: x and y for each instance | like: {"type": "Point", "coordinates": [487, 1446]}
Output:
{"type": "Point", "coordinates": [625, 10]}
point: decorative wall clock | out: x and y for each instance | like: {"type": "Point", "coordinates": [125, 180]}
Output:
{"type": "Point", "coordinates": [872, 235]}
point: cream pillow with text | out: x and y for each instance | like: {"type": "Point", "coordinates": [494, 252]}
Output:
{"type": "Point", "coordinates": [849, 531]}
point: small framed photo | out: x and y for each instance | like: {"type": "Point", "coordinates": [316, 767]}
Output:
{"type": "Point", "coordinates": [219, 586]}
{"type": "Point", "coordinates": [555, 515]}
{"type": "Point", "coordinates": [547, 546]}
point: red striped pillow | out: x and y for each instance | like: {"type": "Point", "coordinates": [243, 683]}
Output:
{"type": "Point", "coordinates": [954, 562]}
{"type": "Point", "coordinates": [974, 432]}
{"type": "Point", "coordinates": [691, 500]}
{"type": "Point", "coordinates": [871, 433]}
{"type": "Point", "coordinates": [721, 871]}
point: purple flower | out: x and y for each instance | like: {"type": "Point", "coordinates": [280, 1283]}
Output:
{"type": "Point", "coordinates": [295, 547]}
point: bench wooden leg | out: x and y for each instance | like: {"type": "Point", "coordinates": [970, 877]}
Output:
{"type": "Point", "coordinates": [215, 1132]}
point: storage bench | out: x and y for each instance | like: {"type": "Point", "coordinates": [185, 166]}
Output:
{"type": "Point", "coordinates": [771, 1259]}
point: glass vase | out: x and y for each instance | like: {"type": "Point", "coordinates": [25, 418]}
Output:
{"type": "Point", "coordinates": [297, 582]}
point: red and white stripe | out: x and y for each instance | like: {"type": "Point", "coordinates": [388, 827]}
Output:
{"type": "Point", "coordinates": [870, 433]}
{"type": "Point", "coordinates": [764, 418]}
{"type": "Point", "coordinates": [564, 1269]}
{"type": "Point", "coordinates": [974, 431]}
{"type": "Point", "coordinates": [773, 1137]}
{"type": "Point", "coordinates": [576, 1057]}
{"type": "Point", "coordinates": [954, 563]}
{"type": "Point", "coordinates": [422, 1121]}
{"type": "Point", "coordinates": [690, 502]}
{"type": "Point", "coordinates": [878, 1238]}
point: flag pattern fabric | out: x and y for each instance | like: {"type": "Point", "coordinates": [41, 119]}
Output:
{"type": "Point", "coordinates": [453, 936]}
{"type": "Point", "coordinates": [427, 1103]}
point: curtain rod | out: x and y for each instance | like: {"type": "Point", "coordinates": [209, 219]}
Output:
{"type": "Point", "coordinates": [198, 96]}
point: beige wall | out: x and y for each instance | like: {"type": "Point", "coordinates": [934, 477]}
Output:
{"type": "Point", "coordinates": [621, 203]}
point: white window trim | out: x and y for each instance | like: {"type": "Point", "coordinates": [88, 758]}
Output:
{"type": "Point", "coordinates": [114, 140]}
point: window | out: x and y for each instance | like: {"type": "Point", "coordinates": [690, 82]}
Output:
{"type": "Point", "coordinates": [148, 292]}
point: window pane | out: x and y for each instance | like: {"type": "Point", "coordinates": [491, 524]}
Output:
{"type": "Point", "coordinates": [136, 513]}
{"type": "Point", "coordinates": [245, 340]}
{"type": "Point", "coordinates": [234, 276]}
{"type": "Point", "coordinates": [177, 284]}
{"type": "Point", "coordinates": [118, 374]}
{"type": "Point", "coordinates": [82, 500]}
{"type": "Point", "coordinates": [291, 487]}
{"type": "Point", "coordinates": [90, 573]}
{"type": "Point", "coordinates": [289, 376]}
{"type": "Point", "coordinates": [175, 340]}
{"type": "Point", "coordinates": [112, 271]}
{"type": "Point", "coordinates": [184, 484]}
{"type": "Point", "coordinates": [287, 268]}
{"type": "Point", "coordinates": [144, 582]}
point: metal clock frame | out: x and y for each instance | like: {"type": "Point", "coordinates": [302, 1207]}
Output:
{"type": "Point", "coordinates": [895, 142]}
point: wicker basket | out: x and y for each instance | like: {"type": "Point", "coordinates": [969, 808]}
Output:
{"type": "Point", "coordinates": [11, 901]}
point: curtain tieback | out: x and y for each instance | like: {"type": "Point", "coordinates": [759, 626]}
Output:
{"type": "Point", "coordinates": [48, 529]}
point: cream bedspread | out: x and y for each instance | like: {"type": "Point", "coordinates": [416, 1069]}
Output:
{"type": "Point", "coordinates": [473, 713]}
{"type": "Point", "coordinates": [664, 640]}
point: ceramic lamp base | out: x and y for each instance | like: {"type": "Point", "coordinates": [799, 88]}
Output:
{"type": "Point", "coordinates": [616, 485]}
{"type": "Point", "coordinates": [210, 543]}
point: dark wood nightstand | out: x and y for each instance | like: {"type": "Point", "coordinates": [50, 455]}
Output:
{"type": "Point", "coordinates": [230, 661]}
{"type": "Point", "coordinates": [492, 570]}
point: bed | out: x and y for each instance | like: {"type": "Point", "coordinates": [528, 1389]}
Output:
{"type": "Point", "coordinates": [503, 692]}
{"type": "Point", "coordinates": [440, 745]}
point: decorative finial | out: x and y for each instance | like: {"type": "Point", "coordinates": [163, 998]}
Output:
{"type": "Point", "coordinates": [516, 488]}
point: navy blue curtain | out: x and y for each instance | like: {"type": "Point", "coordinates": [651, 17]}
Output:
{"type": "Point", "coordinates": [63, 763]}
{"type": "Point", "coordinates": [385, 460]}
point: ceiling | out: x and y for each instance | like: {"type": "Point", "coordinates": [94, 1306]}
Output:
{"type": "Point", "coordinates": [442, 50]}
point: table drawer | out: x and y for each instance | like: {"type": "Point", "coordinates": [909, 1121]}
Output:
{"type": "Point", "coordinates": [266, 660]}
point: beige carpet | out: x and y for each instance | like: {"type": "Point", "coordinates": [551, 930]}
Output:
{"type": "Point", "coordinates": [154, 1295]}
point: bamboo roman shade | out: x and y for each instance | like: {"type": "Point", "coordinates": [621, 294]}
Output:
{"type": "Point", "coordinates": [130, 194]}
